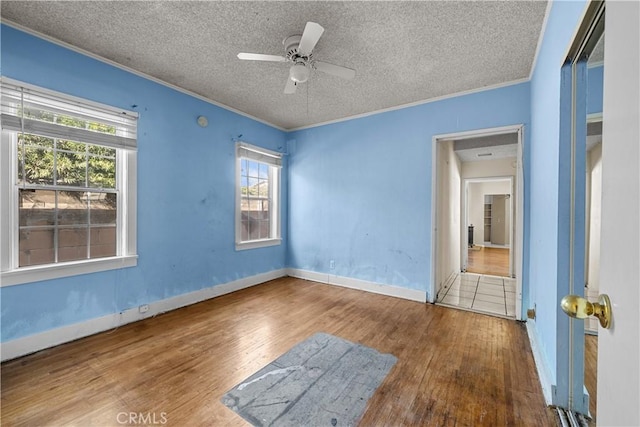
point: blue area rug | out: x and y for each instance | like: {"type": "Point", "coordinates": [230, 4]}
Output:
{"type": "Point", "coordinates": [322, 381]}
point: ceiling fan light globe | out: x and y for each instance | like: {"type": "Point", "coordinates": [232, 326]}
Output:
{"type": "Point", "coordinates": [299, 73]}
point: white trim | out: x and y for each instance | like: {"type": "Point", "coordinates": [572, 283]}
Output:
{"type": "Point", "coordinates": [71, 99]}
{"type": "Point", "coordinates": [464, 226]}
{"type": "Point", "coordinates": [544, 373]}
{"type": "Point", "coordinates": [477, 133]}
{"type": "Point", "coordinates": [275, 209]}
{"type": "Point", "coordinates": [413, 104]}
{"type": "Point", "coordinates": [362, 285]}
{"type": "Point", "coordinates": [433, 289]}
{"type": "Point", "coordinates": [594, 117]}
{"type": "Point", "coordinates": [500, 178]}
{"type": "Point", "coordinates": [129, 175]}
{"type": "Point", "coordinates": [543, 31]}
{"type": "Point", "coordinates": [518, 243]}
{"type": "Point", "coordinates": [32, 343]}
{"type": "Point", "coordinates": [253, 244]}
{"type": "Point", "coordinates": [132, 71]}
{"type": "Point", "coordinates": [55, 271]}
{"type": "Point", "coordinates": [575, 32]}
{"type": "Point", "coordinates": [8, 215]}
{"type": "Point", "coordinates": [259, 150]}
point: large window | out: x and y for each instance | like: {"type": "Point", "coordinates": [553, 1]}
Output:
{"type": "Point", "coordinates": [68, 185]}
{"type": "Point", "coordinates": [257, 197]}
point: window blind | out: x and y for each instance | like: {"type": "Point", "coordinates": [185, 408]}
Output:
{"type": "Point", "coordinates": [259, 154]}
{"type": "Point", "coordinates": [29, 110]}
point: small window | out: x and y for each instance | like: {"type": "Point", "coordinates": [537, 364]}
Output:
{"type": "Point", "coordinates": [257, 197]}
{"type": "Point", "coordinates": [68, 185]}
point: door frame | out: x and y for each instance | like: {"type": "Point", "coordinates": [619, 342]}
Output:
{"type": "Point", "coordinates": [570, 392]}
{"type": "Point", "coordinates": [618, 349]}
{"type": "Point", "coordinates": [464, 253]}
{"type": "Point", "coordinates": [518, 245]}
{"type": "Point", "coordinates": [591, 118]}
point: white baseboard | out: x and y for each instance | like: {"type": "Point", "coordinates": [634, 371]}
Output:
{"type": "Point", "coordinates": [544, 373]}
{"type": "Point", "coordinates": [40, 341]}
{"type": "Point", "coordinates": [363, 285]}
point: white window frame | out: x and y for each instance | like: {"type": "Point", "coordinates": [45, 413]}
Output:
{"type": "Point", "coordinates": [274, 160]}
{"type": "Point", "coordinates": [126, 187]}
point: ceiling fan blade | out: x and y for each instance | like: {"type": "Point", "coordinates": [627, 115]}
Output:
{"type": "Point", "coordinates": [310, 37]}
{"type": "Point", "coordinates": [290, 88]}
{"type": "Point", "coordinates": [261, 57]}
{"type": "Point", "coordinates": [335, 70]}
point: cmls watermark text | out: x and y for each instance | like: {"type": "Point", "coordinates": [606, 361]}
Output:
{"type": "Point", "coordinates": [142, 418]}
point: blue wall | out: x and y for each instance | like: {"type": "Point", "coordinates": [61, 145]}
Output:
{"type": "Point", "coordinates": [360, 190]}
{"type": "Point", "coordinates": [545, 224]}
{"type": "Point", "coordinates": [186, 184]}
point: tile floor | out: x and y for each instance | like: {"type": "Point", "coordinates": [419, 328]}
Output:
{"type": "Point", "coordinates": [480, 292]}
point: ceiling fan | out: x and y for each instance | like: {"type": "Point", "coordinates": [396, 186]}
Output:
{"type": "Point", "coordinates": [298, 50]}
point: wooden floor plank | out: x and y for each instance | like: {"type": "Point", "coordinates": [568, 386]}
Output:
{"type": "Point", "coordinates": [591, 372]}
{"type": "Point", "coordinates": [454, 367]}
{"type": "Point", "coordinates": [492, 261]}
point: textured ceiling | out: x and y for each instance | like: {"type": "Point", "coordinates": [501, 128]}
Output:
{"type": "Point", "coordinates": [402, 52]}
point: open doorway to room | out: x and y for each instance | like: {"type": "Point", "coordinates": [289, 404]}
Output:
{"type": "Point", "coordinates": [488, 209]}
{"type": "Point", "coordinates": [478, 226]}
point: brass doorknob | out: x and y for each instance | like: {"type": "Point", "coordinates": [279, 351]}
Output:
{"type": "Point", "coordinates": [580, 308]}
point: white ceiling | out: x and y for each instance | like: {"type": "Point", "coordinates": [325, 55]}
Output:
{"type": "Point", "coordinates": [403, 52]}
{"type": "Point", "coordinates": [488, 153]}
{"type": "Point", "coordinates": [486, 147]}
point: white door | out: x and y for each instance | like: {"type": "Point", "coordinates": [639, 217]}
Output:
{"type": "Point", "coordinates": [619, 347]}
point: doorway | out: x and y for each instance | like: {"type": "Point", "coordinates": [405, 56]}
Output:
{"type": "Point", "coordinates": [488, 213]}
{"type": "Point", "coordinates": [474, 171]}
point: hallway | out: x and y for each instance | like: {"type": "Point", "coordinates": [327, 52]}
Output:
{"type": "Point", "coordinates": [482, 293]}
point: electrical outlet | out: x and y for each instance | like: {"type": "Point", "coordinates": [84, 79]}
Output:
{"type": "Point", "coordinates": [143, 308]}
{"type": "Point", "coordinates": [332, 265]}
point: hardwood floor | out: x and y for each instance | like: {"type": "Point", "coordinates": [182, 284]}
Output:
{"type": "Point", "coordinates": [492, 261]}
{"type": "Point", "coordinates": [591, 373]}
{"type": "Point", "coordinates": [454, 367]}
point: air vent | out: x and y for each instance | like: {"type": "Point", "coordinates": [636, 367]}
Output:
{"type": "Point", "coordinates": [485, 154]}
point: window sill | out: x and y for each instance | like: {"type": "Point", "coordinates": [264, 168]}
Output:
{"type": "Point", "coordinates": [253, 244]}
{"type": "Point", "coordinates": [56, 271]}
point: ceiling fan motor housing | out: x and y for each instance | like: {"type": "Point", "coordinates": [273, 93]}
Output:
{"type": "Point", "coordinates": [298, 72]}
{"type": "Point", "coordinates": [291, 44]}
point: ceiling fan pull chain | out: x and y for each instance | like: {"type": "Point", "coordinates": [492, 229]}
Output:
{"type": "Point", "coordinates": [308, 84]}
